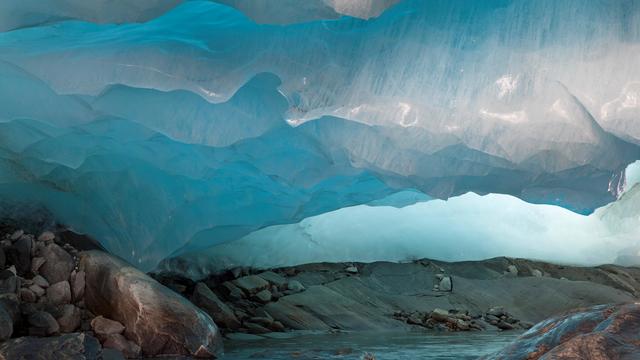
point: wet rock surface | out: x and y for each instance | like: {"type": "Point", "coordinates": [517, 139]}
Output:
{"type": "Point", "coordinates": [595, 333]}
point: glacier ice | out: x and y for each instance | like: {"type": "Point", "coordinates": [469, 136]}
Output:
{"type": "Point", "coordinates": [245, 127]}
{"type": "Point", "coordinates": [468, 227]}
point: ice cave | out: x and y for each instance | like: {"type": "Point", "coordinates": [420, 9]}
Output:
{"type": "Point", "coordinates": [384, 179]}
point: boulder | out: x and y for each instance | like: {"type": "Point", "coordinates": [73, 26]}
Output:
{"type": "Point", "coordinates": [445, 284]}
{"type": "Point", "coordinates": [251, 284]}
{"type": "Point", "coordinates": [70, 318]}
{"type": "Point", "coordinates": [40, 281]}
{"type": "Point", "coordinates": [206, 300]}
{"type": "Point", "coordinates": [512, 270]}
{"type": "Point", "coordinates": [27, 295]}
{"type": "Point", "coordinates": [76, 346]}
{"type": "Point", "coordinates": [263, 296]}
{"type": "Point", "coordinates": [599, 332]}
{"type": "Point", "coordinates": [17, 235]}
{"type": "Point", "coordinates": [536, 273]}
{"type": "Point", "coordinates": [11, 304]}
{"type": "Point", "coordinates": [59, 293]}
{"type": "Point", "coordinates": [233, 291]}
{"type": "Point", "coordinates": [36, 264]}
{"type": "Point", "coordinates": [77, 287]}
{"type": "Point", "coordinates": [295, 286]}
{"type": "Point", "coordinates": [6, 323]}
{"type": "Point", "coordinates": [256, 328]}
{"type": "Point", "coordinates": [275, 279]}
{"type": "Point", "coordinates": [439, 315]}
{"type": "Point", "coordinates": [58, 264]}
{"type": "Point", "coordinates": [46, 236]}
{"type": "Point", "coordinates": [104, 327]}
{"type": "Point", "coordinates": [42, 323]}
{"type": "Point", "coordinates": [120, 343]}
{"type": "Point", "coordinates": [21, 254]}
{"type": "Point", "coordinates": [160, 321]}
{"type": "Point", "coordinates": [8, 282]}
{"type": "Point", "coordinates": [351, 270]}
{"type": "Point", "coordinates": [39, 291]}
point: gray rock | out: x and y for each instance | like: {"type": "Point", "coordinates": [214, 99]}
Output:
{"type": "Point", "coordinates": [351, 270]}
{"type": "Point", "coordinates": [59, 293]}
{"type": "Point", "coordinates": [512, 270]}
{"type": "Point", "coordinates": [6, 323]}
{"type": "Point", "coordinates": [295, 286]}
{"type": "Point", "coordinates": [264, 296]}
{"type": "Point", "coordinates": [70, 318]}
{"type": "Point", "coordinates": [23, 247]}
{"type": "Point", "coordinates": [76, 346]}
{"type": "Point", "coordinates": [256, 328]}
{"type": "Point", "coordinates": [3, 259]}
{"type": "Point", "coordinates": [160, 321]}
{"type": "Point", "coordinates": [36, 264]}
{"type": "Point", "coordinates": [27, 295]}
{"type": "Point", "coordinates": [8, 282]}
{"type": "Point", "coordinates": [11, 304]}
{"type": "Point", "coordinates": [273, 278]}
{"type": "Point", "coordinates": [58, 264]}
{"type": "Point", "coordinates": [47, 236]}
{"type": "Point", "coordinates": [251, 284]}
{"type": "Point", "coordinates": [233, 291]}
{"type": "Point", "coordinates": [236, 272]}
{"type": "Point", "coordinates": [40, 281]}
{"type": "Point", "coordinates": [39, 291]}
{"type": "Point", "coordinates": [536, 273]}
{"type": "Point", "coordinates": [446, 284]}
{"type": "Point", "coordinates": [104, 327]}
{"type": "Point", "coordinates": [126, 347]}
{"type": "Point", "coordinates": [77, 287]}
{"type": "Point", "coordinates": [262, 321]}
{"type": "Point", "coordinates": [17, 235]}
{"type": "Point", "coordinates": [42, 324]}
{"type": "Point", "coordinates": [206, 300]}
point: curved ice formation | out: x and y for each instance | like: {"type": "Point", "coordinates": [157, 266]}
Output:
{"type": "Point", "coordinates": [468, 227]}
{"type": "Point", "coordinates": [16, 14]}
{"type": "Point", "coordinates": [191, 125]}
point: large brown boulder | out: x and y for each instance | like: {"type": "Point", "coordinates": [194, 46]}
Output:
{"type": "Point", "coordinates": [160, 321]}
{"type": "Point", "coordinates": [596, 333]}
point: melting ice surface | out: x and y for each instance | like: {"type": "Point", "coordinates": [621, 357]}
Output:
{"type": "Point", "coordinates": [226, 134]}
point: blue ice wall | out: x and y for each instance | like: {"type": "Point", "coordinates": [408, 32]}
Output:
{"type": "Point", "coordinates": [174, 126]}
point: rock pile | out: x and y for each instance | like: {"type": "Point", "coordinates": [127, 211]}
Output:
{"type": "Point", "coordinates": [48, 306]}
{"type": "Point", "coordinates": [462, 320]}
{"type": "Point", "coordinates": [236, 299]}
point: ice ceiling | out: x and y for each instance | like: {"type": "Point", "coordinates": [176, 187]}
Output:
{"type": "Point", "coordinates": [226, 132]}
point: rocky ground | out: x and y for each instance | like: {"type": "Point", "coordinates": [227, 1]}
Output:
{"type": "Point", "coordinates": [63, 297]}
{"type": "Point", "coordinates": [59, 302]}
{"type": "Point", "coordinates": [495, 294]}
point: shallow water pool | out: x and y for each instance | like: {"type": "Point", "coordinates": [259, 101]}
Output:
{"type": "Point", "coordinates": [383, 345]}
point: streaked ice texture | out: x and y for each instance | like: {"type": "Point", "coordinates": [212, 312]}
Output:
{"type": "Point", "coordinates": [174, 126]}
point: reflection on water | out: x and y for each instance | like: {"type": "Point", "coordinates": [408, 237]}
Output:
{"type": "Point", "coordinates": [384, 345]}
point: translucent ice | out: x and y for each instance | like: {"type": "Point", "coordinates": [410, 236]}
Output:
{"type": "Point", "coordinates": [171, 127]}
